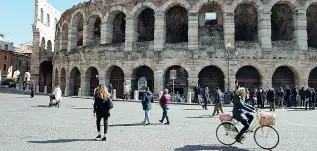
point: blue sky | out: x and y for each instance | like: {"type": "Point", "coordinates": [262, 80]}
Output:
{"type": "Point", "coordinates": [17, 17]}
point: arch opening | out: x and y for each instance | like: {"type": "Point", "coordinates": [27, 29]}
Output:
{"type": "Point", "coordinates": [211, 77]}
{"type": "Point", "coordinates": [282, 77]}
{"type": "Point", "coordinates": [119, 24]}
{"type": "Point", "coordinates": [49, 46]}
{"type": "Point", "coordinates": [176, 25]}
{"type": "Point", "coordinates": [246, 22]}
{"type": "Point", "coordinates": [94, 28]}
{"type": "Point", "coordinates": [147, 73]}
{"type": "Point", "coordinates": [43, 44]}
{"type": "Point", "coordinates": [75, 81]}
{"type": "Point", "coordinates": [311, 15]}
{"type": "Point", "coordinates": [91, 80]}
{"type": "Point", "coordinates": [248, 77]}
{"type": "Point", "coordinates": [77, 30]}
{"type": "Point", "coordinates": [64, 37]}
{"type": "Point", "coordinates": [116, 80]}
{"type": "Point", "coordinates": [210, 24]}
{"type": "Point", "coordinates": [282, 22]}
{"type": "Point", "coordinates": [56, 77]}
{"type": "Point", "coordinates": [146, 25]}
{"type": "Point", "coordinates": [45, 76]}
{"type": "Point", "coordinates": [312, 79]}
{"type": "Point", "coordinates": [180, 84]}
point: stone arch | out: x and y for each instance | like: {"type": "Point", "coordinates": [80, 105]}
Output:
{"type": "Point", "coordinates": [74, 81]}
{"type": "Point", "coordinates": [94, 27]}
{"type": "Point", "coordinates": [49, 46]}
{"type": "Point", "coordinates": [77, 28]}
{"type": "Point", "coordinates": [64, 37]}
{"type": "Point", "coordinates": [181, 81]}
{"type": "Point", "coordinates": [63, 80]}
{"type": "Point", "coordinates": [282, 25]}
{"type": "Point", "coordinates": [256, 3]}
{"type": "Point", "coordinates": [282, 77]}
{"type": "Point", "coordinates": [176, 26]}
{"type": "Point", "coordinates": [311, 14]}
{"type": "Point", "coordinates": [211, 77]}
{"type": "Point", "coordinates": [115, 74]}
{"type": "Point", "coordinates": [43, 44]}
{"type": "Point", "coordinates": [91, 81]}
{"type": "Point", "coordinates": [248, 77]}
{"type": "Point", "coordinates": [210, 23]}
{"type": "Point", "coordinates": [56, 77]}
{"type": "Point", "coordinates": [171, 3]}
{"type": "Point", "coordinates": [109, 18]}
{"type": "Point", "coordinates": [246, 22]}
{"type": "Point", "coordinates": [45, 76]}
{"type": "Point", "coordinates": [312, 79]}
{"type": "Point", "coordinates": [143, 71]}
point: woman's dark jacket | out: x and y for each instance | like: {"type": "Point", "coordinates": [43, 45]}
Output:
{"type": "Point", "coordinates": [146, 100]}
{"type": "Point", "coordinates": [270, 96]}
{"type": "Point", "coordinates": [102, 107]}
{"type": "Point", "coordinates": [240, 107]}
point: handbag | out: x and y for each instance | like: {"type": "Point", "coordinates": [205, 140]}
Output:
{"type": "Point", "coordinates": [110, 104]}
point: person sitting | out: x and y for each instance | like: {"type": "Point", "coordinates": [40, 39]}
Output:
{"type": "Point", "coordinates": [242, 112]}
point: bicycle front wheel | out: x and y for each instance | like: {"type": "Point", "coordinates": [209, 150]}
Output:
{"type": "Point", "coordinates": [226, 133]}
{"type": "Point", "coordinates": [266, 137]}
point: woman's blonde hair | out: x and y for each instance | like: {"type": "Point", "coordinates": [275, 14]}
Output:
{"type": "Point", "coordinates": [240, 91]}
{"type": "Point", "coordinates": [165, 91]}
{"type": "Point", "coordinates": [103, 92]}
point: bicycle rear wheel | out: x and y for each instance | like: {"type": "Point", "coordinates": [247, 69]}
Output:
{"type": "Point", "coordinates": [266, 137]}
{"type": "Point", "coordinates": [226, 133]}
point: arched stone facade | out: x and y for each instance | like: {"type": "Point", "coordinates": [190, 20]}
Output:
{"type": "Point", "coordinates": [129, 54]}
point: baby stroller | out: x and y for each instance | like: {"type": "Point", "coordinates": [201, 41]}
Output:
{"type": "Point", "coordinates": [53, 101]}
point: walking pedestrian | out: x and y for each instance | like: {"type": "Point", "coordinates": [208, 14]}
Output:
{"type": "Point", "coordinates": [313, 98]}
{"type": "Point", "coordinates": [280, 95]}
{"type": "Point", "coordinates": [146, 104]}
{"type": "Point", "coordinates": [206, 98]}
{"type": "Point", "coordinates": [294, 96]}
{"type": "Point", "coordinates": [302, 96]}
{"type": "Point", "coordinates": [271, 99]}
{"type": "Point", "coordinates": [126, 92]}
{"type": "Point", "coordinates": [32, 88]}
{"type": "Point", "coordinates": [287, 96]}
{"type": "Point", "coordinates": [308, 98]}
{"type": "Point", "coordinates": [260, 98]}
{"type": "Point", "coordinates": [102, 107]}
{"type": "Point", "coordinates": [218, 102]}
{"type": "Point", "coordinates": [165, 101]}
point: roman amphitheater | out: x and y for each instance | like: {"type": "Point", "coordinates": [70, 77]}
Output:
{"type": "Point", "coordinates": [266, 43]}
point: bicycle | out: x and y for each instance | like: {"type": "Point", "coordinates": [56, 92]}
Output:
{"type": "Point", "coordinates": [231, 131]}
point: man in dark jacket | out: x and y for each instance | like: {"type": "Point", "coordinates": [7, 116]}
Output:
{"type": "Point", "coordinates": [287, 95]}
{"type": "Point", "coordinates": [308, 98]}
{"type": "Point", "coordinates": [302, 96]}
{"type": "Point", "coordinates": [260, 96]}
{"type": "Point", "coordinates": [218, 102]}
{"type": "Point", "coordinates": [280, 95]}
{"type": "Point", "coordinates": [294, 96]}
{"type": "Point", "coordinates": [146, 104]}
{"type": "Point", "coordinates": [271, 99]}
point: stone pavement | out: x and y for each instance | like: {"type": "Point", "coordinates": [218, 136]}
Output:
{"type": "Point", "coordinates": [28, 124]}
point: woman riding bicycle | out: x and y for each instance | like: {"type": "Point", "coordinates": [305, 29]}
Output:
{"type": "Point", "coordinates": [242, 112]}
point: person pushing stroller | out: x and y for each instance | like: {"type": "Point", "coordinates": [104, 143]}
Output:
{"type": "Point", "coordinates": [56, 96]}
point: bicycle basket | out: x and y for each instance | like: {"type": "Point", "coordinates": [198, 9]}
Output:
{"type": "Point", "coordinates": [225, 117]}
{"type": "Point", "coordinates": [267, 118]}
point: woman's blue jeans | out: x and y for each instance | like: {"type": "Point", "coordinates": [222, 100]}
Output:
{"type": "Point", "coordinates": [146, 117]}
{"type": "Point", "coordinates": [165, 108]}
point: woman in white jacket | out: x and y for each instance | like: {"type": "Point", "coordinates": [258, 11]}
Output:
{"type": "Point", "coordinates": [57, 95]}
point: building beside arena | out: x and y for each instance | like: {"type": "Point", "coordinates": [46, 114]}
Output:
{"type": "Point", "coordinates": [179, 43]}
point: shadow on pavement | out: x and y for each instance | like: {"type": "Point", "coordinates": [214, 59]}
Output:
{"type": "Point", "coordinates": [203, 116]}
{"type": "Point", "coordinates": [192, 109]}
{"type": "Point", "coordinates": [41, 106]}
{"type": "Point", "coordinates": [83, 108]}
{"type": "Point", "coordinates": [61, 141]}
{"type": "Point", "coordinates": [209, 147]}
{"type": "Point", "coordinates": [133, 124]}
{"type": "Point", "coordinates": [298, 110]}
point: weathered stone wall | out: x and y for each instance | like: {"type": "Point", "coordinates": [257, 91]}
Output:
{"type": "Point", "coordinates": [206, 46]}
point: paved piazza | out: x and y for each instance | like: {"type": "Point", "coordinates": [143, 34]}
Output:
{"type": "Point", "coordinates": [28, 124]}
